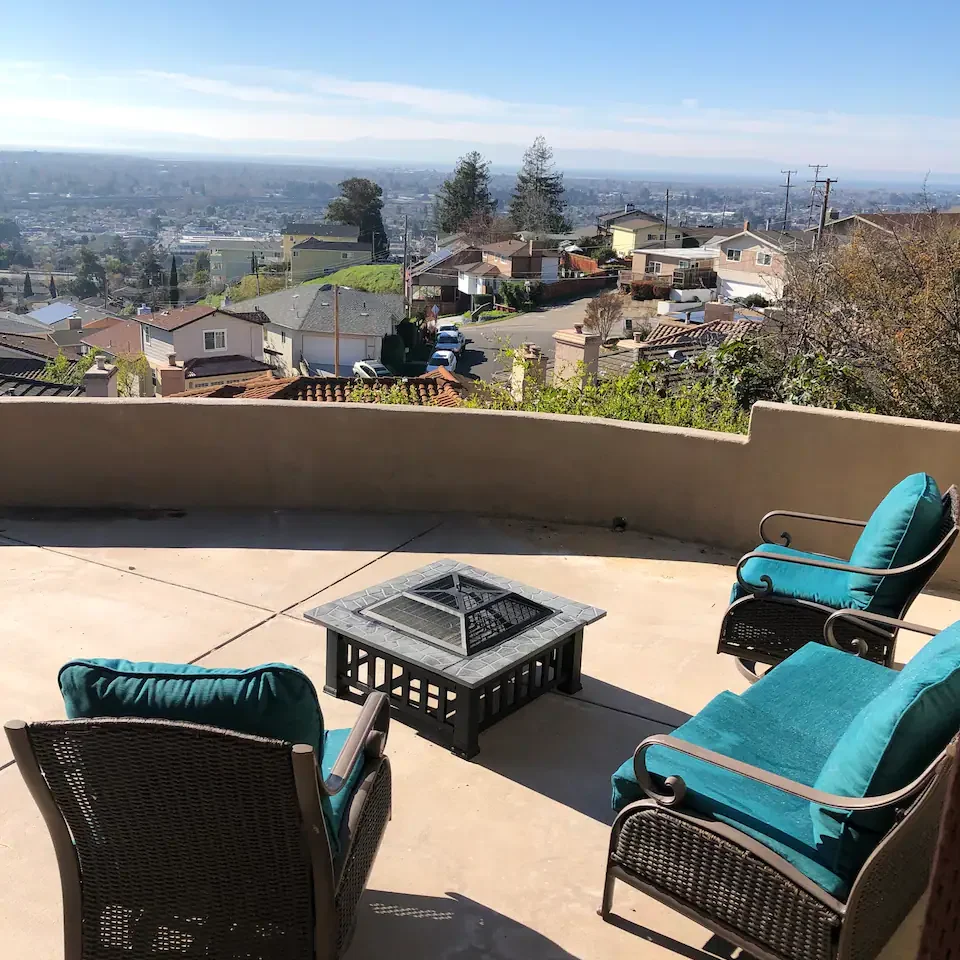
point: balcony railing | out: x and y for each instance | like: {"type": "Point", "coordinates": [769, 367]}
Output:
{"type": "Point", "coordinates": [684, 277]}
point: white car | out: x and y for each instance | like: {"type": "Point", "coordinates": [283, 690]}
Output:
{"type": "Point", "coordinates": [452, 340]}
{"type": "Point", "coordinates": [442, 358]}
{"type": "Point", "coordinates": [370, 370]}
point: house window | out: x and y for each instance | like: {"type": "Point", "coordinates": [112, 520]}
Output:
{"type": "Point", "coordinates": [651, 236]}
{"type": "Point", "coordinates": [344, 256]}
{"type": "Point", "coordinates": [764, 259]}
{"type": "Point", "coordinates": [214, 340]}
{"type": "Point", "coordinates": [146, 334]}
{"type": "Point", "coordinates": [283, 336]}
{"type": "Point", "coordinates": [654, 266]}
{"type": "Point", "coordinates": [683, 264]}
{"type": "Point", "coordinates": [734, 255]}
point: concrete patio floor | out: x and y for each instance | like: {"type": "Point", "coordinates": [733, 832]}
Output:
{"type": "Point", "coordinates": [501, 857]}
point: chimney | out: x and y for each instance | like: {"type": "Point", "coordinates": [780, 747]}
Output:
{"type": "Point", "coordinates": [101, 379]}
{"type": "Point", "coordinates": [172, 377]}
{"type": "Point", "coordinates": [576, 356]}
{"type": "Point", "coordinates": [746, 224]}
{"type": "Point", "coordinates": [75, 323]}
{"type": "Point", "coordinates": [529, 368]}
{"type": "Point", "coordinates": [530, 247]}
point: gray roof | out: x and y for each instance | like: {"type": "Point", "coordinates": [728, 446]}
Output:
{"type": "Point", "coordinates": [11, 386]}
{"type": "Point", "coordinates": [58, 312]}
{"type": "Point", "coordinates": [310, 308]}
{"type": "Point", "coordinates": [21, 323]}
{"type": "Point", "coordinates": [322, 230]}
{"type": "Point", "coordinates": [312, 243]}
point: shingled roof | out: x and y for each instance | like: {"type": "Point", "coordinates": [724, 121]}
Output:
{"type": "Point", "coordinates": [437, 389]}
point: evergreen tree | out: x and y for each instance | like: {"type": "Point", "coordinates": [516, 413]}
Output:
{"type": "Point", "coordinates": [27, 286]}
{"type": "Point", "coordinates": [537, 202]}
{"type": "Point", "coordinates": [466, 194]}
{"type": "Point", "coordinates": [174, 283]}
{"type": "Point", "coordinates": [360, 203]}
{"type": "Point", "coordinates": [53, 288]}
{"type": "Point", "coordinates": [253, 263]}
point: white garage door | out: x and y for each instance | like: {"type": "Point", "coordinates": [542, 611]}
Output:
{"type": "Point", "coordinates": [318, 352]}
{"type": "Point", "coordinates": [729, 289]}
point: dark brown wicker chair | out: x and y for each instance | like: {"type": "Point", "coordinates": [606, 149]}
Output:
{"type": "Point", "coordinates": [735, 886]}
{"type": "Point", "coordinates": [188, 841]}
{"type": "Point", "coordinates": [763, 628]}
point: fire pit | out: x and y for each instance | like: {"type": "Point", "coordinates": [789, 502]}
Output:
{"type": "Point", "coordinates": [456, 649]}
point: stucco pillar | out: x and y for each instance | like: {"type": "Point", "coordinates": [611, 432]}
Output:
{"type": "Point", "coordinates": [529, 368]}
{"type": "Point", "coordinates": [172, 377]}
{"type": "Point", "coordinates": [101, 379]}
{"type": "Point", "coordinates": [576, 357]}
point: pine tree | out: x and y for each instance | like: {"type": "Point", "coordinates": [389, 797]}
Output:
{"type": "Point", "coordinates": [466, 194]}
{"type": "Point", "coordinates": [361, 204]}
{"type": "Point", "coordinates": [537, 202]}
{"type": "Point", "coordinates": [27, 286]}
{"type": "Point", "coordinates": [174, 283]}
{"type": "Point", "coordinates": [253, 263]}
{"type": "Point", "coordinates": [53, 288]}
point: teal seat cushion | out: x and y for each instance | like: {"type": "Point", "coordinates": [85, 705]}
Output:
{"type": "Point", "coordinates": [904, 528]}
{"type": "Point", "coordinates": [736, 728]}
{"type": "Point", "coordinates": [889, 743]}
{"type": "Point", "coordinates": [829, 587]}
{"type": "Point", "coordinates": [271, 700]}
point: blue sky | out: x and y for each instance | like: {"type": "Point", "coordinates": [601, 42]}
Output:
{"type": "Point", "coordinates": [861, 86]}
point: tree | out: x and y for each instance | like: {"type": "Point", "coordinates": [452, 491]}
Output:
{"type": "Point", "coordinates": [53, 288]}
{"type": "Point", "coordinates": [483, 227]}
{"type": "Point", "coordinates": [149, 272]}
{"type": "Point", "coordinates": [174, 282]}
{"type": "Point", "coordinates": [466, 194]}
{"type": "Point", "coordinates": [90, 276]}
{"type": "Point", "coordinates": [360, 204]}
{"type": "Point", "coordinates": [118, 249]}
{"type": "Point", "coordinates": [537, 202]}
{"type": "Point", "coordinates": [253, 263]}
{"type": "Point", "coordinates": [27, 286]}
{"type": "Point", "coordinates": [202, 262]}
{"type": "Point", "coordinates": [603, 313]}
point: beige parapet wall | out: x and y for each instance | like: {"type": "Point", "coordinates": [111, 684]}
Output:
{"type": "Point", "coordinates": [690, 484]}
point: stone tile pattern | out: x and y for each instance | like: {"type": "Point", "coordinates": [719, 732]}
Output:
{"type": "Point", "coordinates": [344, 616]}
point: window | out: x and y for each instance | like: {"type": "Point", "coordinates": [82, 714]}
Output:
{"type": "Point", "coordinates": [344, 256]}
{"type": "Point", "coordinates": [214, 339]}
{"type": "Point", "coordinates": [734, 255]}
{"type": "Point", "coordinates": [146, 334]}
{"type": "Point", "coordinates": [654, 266]}
{"type": "Point", "coordinates": [764, 259]}
{"type": "Point", "coordinates": [683, 264]}
{"type": "Point", "coordinates": [283, 336]}
{"type": "Point", "coordinates": [651, 236]}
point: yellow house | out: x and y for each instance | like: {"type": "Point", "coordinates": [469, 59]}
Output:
{"type": "Point", "coordinates": [627, 235]}
{"type": "Point", "coordinates": [294, 233]}
{"type": "Point", "coordinates": [313, 258]}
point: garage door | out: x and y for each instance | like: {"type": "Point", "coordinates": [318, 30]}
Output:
{"type": "Point", "coordinates": [729, 289]}
{"type": "Point", "coordinates": [318, 353]}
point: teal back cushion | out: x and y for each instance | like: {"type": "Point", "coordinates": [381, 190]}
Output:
{"type": "Point", "coordinates": [888, 744]}
{"type": "Point", "coordinates": [272, 700]}
{"type": "Point", "coordinates": [903, 528]}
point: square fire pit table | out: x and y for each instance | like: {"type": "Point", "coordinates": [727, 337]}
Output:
{"type": "Point", "coordinates": [454, 648]}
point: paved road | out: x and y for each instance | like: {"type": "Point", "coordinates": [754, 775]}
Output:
{"type": "Point", "coordinates": [485, 340]}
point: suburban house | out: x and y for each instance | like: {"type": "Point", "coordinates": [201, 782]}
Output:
{"type": "Point", "coordinates": [890, 223]}
{"type": "Point", "coordinates": [752, 262]}
{"type": "Point", "coordinates": [294, 233]}
{"type": "Point", "coordinates": [121, 338]}
{"type": "Point", "coordinates": [434, 281]}
{"type": "Point", "coordinates": [679, 267]}
{"type": "Point", "coordinates": [299, 327]}
{"type": "Point", "coordinates": [437, 389]}
{"type": "Point", "coordinates": [628, 234]}
{"type": "Point", "coordinates": [208, 346]}
{"type": "Point", "coordinates": [64, 314]}
{"type": "Point", "coordinates": [26, 355]}
{"type": "Point", "coordinates": [232, 258]}
{"type": "Point", "coordinates": [312, 258]}
{"type": "Point", "coordinates": [508, 260]}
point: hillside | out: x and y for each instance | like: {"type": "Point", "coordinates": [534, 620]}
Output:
{"type": "Point", "coordinates": [374, 278]}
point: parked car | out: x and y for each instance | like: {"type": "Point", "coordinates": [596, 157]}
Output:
{"type": "Point", "coordinates": [370, 370]}
{"type": "Point", "coordinates": [442, 358]}
{"type": "Point", "coordinates": [452, 340]}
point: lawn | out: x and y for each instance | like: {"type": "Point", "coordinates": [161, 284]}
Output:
{"type": "Point", "coordinates": [374, 278]}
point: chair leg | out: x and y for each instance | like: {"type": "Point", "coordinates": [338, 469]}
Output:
{"type": "Point", "coordinates": [606, 905]}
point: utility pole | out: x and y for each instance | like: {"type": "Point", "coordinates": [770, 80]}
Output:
{"type": "Point", "coordinates": [786, 203]}
{"type": "Point", "coordinates": [723, 210]}
{"type": "Point", "coordinates": [817, 167]}
{"type": "Point", "coordinates": [666, 219]}
{"type": "Point", "coordinates": [336, 329]}
{"type": "Point", "coordinates": [406, 302]}
{"type": "Point", "coordinates": [823, 207]}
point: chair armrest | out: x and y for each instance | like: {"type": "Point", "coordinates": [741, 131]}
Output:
{"type": "Point", "coordinates": [368, 737]}
{"type": "Point", "coordinates": [864, 619]}
{"type": "Point", "coordinates": [676, 788]}
{"type": "Point", "coordinates": [787, 539]}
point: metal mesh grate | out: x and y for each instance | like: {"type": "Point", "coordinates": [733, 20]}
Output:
{"type": "Point", "coordinates": [459, 613]}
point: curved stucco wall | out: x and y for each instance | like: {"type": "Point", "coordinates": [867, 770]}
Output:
{"type": "Point", "coordinates": [689, 484]}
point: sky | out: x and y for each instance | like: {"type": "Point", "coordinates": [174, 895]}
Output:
{"type": "Point", "coordinates": [738, 89]}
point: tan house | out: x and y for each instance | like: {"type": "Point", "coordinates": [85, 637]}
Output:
{"type": "Point", "coordinates": [509, 260]}
{"type": "Point", "coordinates": [680, 267]}
{"type": "Point", "coordinates": [314, 258]}
{"type": "Point", "coordinates": [294, 233]}
{"type": "Point", "coordinates": [753, 262]}
{"type": "Point", "coordinates": [627, 235]}
{"type": "Point", "coordinates": [209, 346]}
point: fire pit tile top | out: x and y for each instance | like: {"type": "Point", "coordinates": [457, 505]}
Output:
{"type": "Point", "coordinates": [456, 619]}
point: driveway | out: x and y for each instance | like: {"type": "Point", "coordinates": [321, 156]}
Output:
{"type": "Point", "coordinates": [486, 340]}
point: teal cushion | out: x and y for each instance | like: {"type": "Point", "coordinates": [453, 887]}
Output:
{"type": "Point", "coordinates": [888, 744]}
{"type": "Point", "coordinates": [736, 728]}
{"type": "Point", "coordinates": [271, 700]}
{"type": "Point", "coordinates": [903, 528]}
{"type": "Point", "coordinates": [829, 587]}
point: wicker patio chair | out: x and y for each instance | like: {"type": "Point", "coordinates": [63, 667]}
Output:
{"type": "Point", "coordinates": [763, 627]}
{"type": "Point", "coordinates": [727, 879]}
{"type": "Point", "coordinates": [180, 840]}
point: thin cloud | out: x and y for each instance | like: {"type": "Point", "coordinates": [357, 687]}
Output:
{"type": "Point", "coordinates": [224, 88]}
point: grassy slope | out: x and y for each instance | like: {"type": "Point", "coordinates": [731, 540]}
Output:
{"type": "Point", "coordinates": [374, 278]}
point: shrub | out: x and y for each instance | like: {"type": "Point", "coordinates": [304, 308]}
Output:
{"type": "Point", "coordinates": [393, 352]}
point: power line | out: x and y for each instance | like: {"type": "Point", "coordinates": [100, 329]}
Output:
{"type": "Point", "coordinates": [817, 167]}
{"type": "Point", "coordinates": [786, 203]}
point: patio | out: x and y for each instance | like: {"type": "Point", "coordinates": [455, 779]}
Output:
{"type": "Point", "coordinates": [230, 589]}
